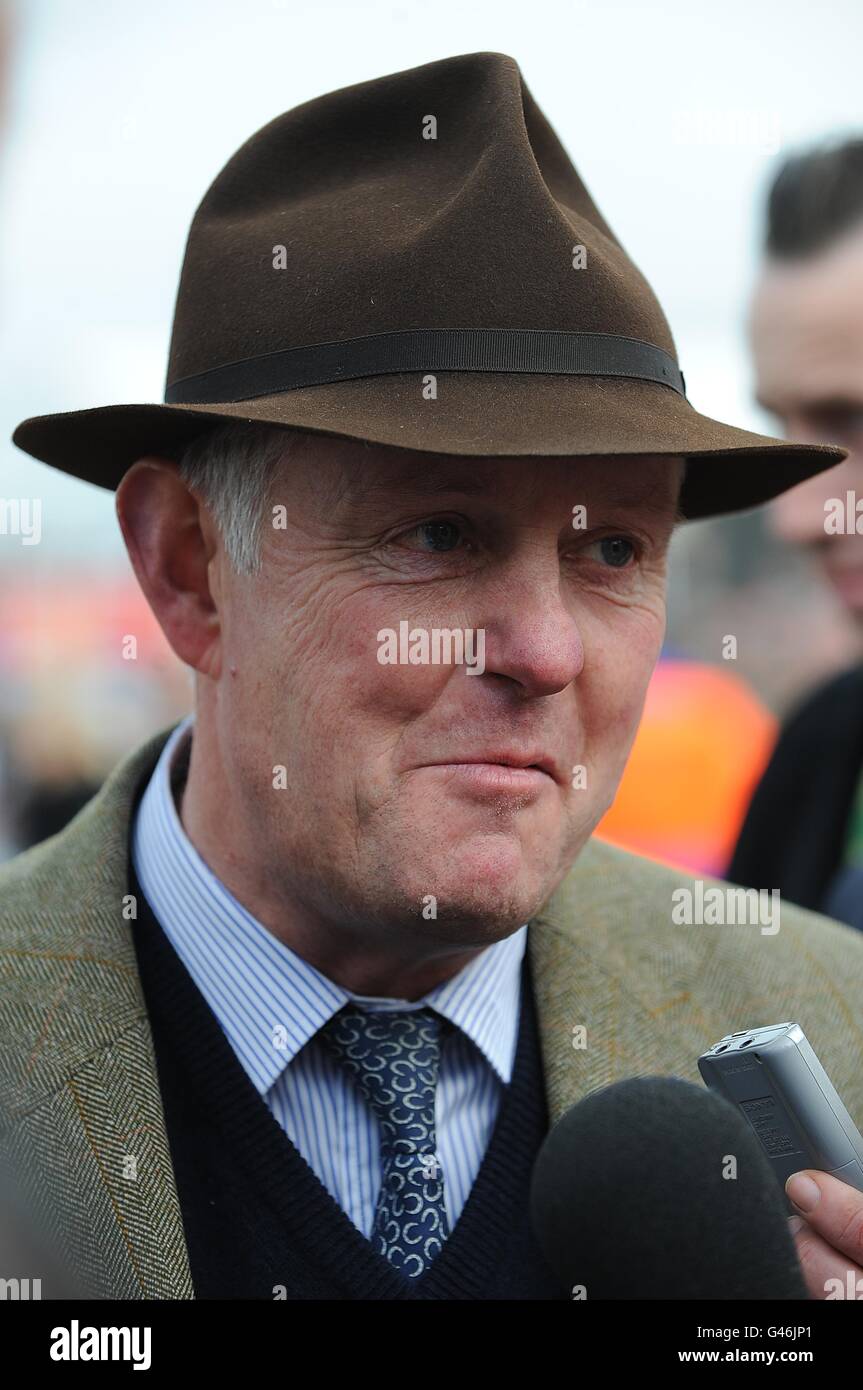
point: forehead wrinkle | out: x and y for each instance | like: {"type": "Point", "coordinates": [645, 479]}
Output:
{"type": "Point", "coordinates": [646, 502]}
{"type": "Point", "coordinates": [435, 484]}
{"type": "Point", "coordinates": [421, 477]}
{"type": "Point", "coordinates": [648, 495]}
{"type": "Point", "coordinates": [362, 481]}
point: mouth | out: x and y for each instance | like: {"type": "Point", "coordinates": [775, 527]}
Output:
{"type": "Point", "coordinates": [503, 769]}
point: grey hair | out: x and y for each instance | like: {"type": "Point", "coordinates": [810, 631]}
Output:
{"type": "Point", "coordinates": [232, 468]}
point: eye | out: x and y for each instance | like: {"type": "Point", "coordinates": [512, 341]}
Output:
{"type": "Point", "coordinates": [616, 551]}
{"type": "Point", "coordinates": [840, 425]}
{"type": "Point", "coordinates": [439, 537]}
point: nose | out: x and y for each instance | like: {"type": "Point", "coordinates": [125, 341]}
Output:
{"type": "Point", "coordinates": [536, 643]}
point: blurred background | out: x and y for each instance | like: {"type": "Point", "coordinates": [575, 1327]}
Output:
{"type": "Point", "coordinates": [117, 116]}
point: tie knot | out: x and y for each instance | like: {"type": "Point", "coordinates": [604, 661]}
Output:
{"type": "Point", "coordinates": [394, 1058]}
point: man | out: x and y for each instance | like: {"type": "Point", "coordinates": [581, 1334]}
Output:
{"type": "Point", "coordinates": [804, 830]}
{"type": "Point", "coordinates": [405, 514]}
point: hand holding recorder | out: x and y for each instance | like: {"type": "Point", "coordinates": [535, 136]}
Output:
{"type": "Point", "coordinates": [783, 1092]}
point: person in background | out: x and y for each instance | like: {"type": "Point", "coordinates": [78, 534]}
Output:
{"type": "Point", "coordinates": [803, 833]}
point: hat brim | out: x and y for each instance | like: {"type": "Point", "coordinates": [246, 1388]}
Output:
{"type": "Point", "coordinates": [475, 414]}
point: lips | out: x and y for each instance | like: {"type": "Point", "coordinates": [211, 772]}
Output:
{"type": "Point", "coordinates": [540, 762]}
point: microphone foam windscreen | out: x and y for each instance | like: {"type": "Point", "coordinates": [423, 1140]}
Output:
{"type": "Point", "coordinates": [657, 1188]}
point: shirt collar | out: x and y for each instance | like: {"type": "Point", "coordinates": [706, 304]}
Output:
{"type": "Point", "coordinates": [267, 999]}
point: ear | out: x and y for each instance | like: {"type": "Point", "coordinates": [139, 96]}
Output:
{"type": "Point", "coordinates": [176, 554]}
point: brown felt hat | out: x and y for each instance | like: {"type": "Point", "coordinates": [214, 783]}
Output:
{"type": "Point", "coordinates": [414, 261]}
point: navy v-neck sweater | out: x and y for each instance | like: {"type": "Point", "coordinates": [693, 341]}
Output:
{"type": "Point", "coordinates": [258, 1221]}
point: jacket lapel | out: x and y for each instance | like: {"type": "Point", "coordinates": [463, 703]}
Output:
{"type": "Point", "coordinates": [604, 1014]}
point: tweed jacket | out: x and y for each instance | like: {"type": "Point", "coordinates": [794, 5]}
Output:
{"type": "Point", "coordinates": [79, 1090]}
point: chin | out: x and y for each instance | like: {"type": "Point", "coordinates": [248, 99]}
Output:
{"type": "Point", "coordinates": [491, 891]}
{"type": "Point", "coordinates": [469, 923]}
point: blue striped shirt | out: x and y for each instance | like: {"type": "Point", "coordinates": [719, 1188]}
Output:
{"type": "Point", "coordinates": [270, 1003]}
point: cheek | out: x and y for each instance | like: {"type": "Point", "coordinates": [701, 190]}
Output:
{"type": "Point", "coordinates": [620, 657]}
{"type": "Point", "coordinates": [367, 655]}
{"type": "Point", "coordinates": [330, 696]}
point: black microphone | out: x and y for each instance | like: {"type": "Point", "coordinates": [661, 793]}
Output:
{"type": "Point", "coordinates": [630, 1199]}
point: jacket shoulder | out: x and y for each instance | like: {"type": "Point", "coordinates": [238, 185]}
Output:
{"type": "Point", "coordinates": [67, 959]}
{"type": "Point", "coordinates": [647, 914]}
{"type": "Point", "coordinates": [84, 855]}
{"type": "Point", "coordinates": [654, 987]}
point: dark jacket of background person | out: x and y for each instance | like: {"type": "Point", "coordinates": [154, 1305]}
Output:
{"type": "Point", "coordinates": [795, 831]}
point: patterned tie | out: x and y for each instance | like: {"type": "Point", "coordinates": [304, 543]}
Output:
{"type": "Point", "coordinates": [394, 1059]}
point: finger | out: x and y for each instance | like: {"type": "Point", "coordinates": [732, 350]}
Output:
{"type": "Point", "coordinates": [831, 1208]}
{"type": "Point", "coordinates": [826, 1273]}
